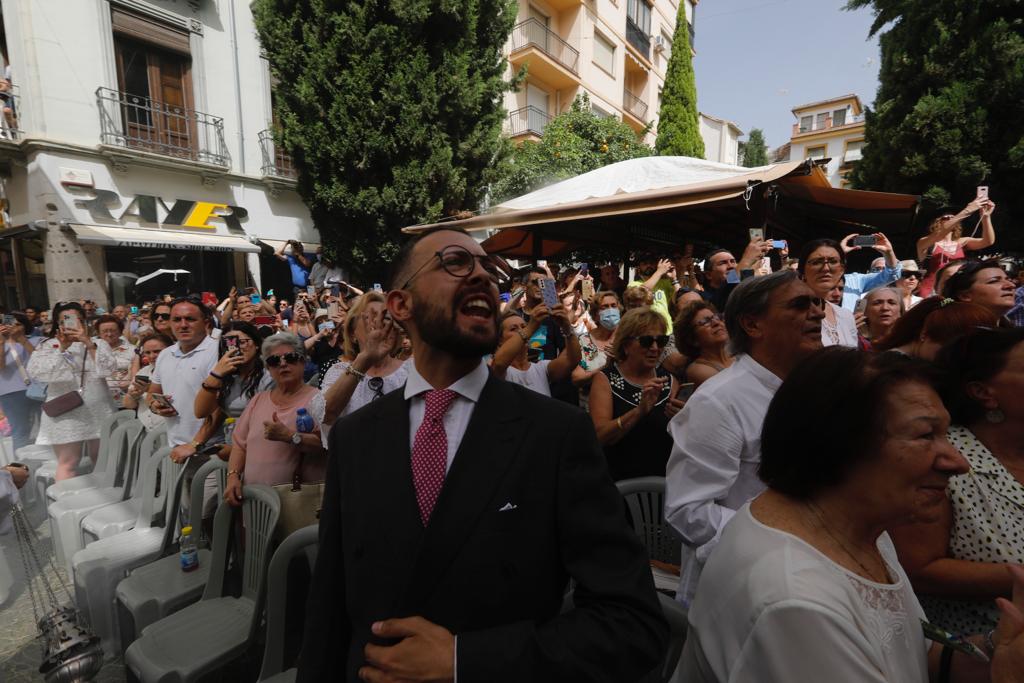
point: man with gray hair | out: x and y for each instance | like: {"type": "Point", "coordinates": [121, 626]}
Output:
{"type": "Point", "coordinates": [774, 322]}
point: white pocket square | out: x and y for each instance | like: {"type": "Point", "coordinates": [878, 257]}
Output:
{"type": "Point", "coordinates": [507, 506]}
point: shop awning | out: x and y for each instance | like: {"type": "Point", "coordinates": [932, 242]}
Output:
{"type": "Point", "coordinates": [160, 239]}
{"type": "Point", "coordinates": [309, 247]}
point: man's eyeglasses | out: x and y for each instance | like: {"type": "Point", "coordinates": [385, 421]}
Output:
{"type": "Point", "coordinates": [805, 302]}
{"type": "Point", "coordinates": [821, 262]}
{"type": "Point", "coordinates": [460, 262]}
{"type": "Point", "coordinates": [647, 340]}
{"type": "Point", "coordinates": [708, 320]}
{"type": "Point", "coordinates": [290, 358]}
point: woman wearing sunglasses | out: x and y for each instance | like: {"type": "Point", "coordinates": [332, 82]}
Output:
{"type": "Point", "coordinates": [701, 335]}
{"type": "Point", "coordinates": [945, 242]}
{"type": "Point", "coordinates": [633, 398]}
{"type": "Point", "coordinates": [267, 446]}
{"type": "Point", "coordinates": [237, 377]}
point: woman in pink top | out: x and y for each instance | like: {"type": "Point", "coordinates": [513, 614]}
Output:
{"type": "Point", "coordinates": [266, 445]}
{"type": "Point", "coordinates": [945, 242]}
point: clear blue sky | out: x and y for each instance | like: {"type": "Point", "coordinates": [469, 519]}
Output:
{"type": "Point", "coordinates": [757, 59]}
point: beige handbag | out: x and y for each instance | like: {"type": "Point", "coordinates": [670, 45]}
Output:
{"type": "Point", "coordinates": [300, 503]}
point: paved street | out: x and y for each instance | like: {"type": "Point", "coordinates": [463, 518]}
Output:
{"type": "Point", "coordinates": [20, 650]}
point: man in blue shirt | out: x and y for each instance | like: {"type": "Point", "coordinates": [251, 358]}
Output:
{"type": "Point", "coordinates": [298, 262]}
{"type": "Point", "coordinates": [861, 283]}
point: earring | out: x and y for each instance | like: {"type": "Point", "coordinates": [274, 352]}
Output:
{"type": "Point", "coordinates": [995, 416]}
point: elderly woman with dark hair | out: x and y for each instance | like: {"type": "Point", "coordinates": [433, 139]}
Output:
{"type": "Point", "coordinates": [822, 265]}
{"type": "Point", "coordinates": [805, 584]}
{"type": "Point", "coordinates": [881, 308]}
{"type": "Point", "coordinates": [267, 445]}
{"type": "Point", "coordinates": [984, 283]}
{"type": "Point", "coordinates": [958, 560]}
{"type": "Point", "coordinates": [701, 335]}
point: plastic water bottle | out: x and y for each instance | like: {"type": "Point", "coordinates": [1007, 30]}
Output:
{"type": "Point", "coordinates": [189, 552]}
{"type": "Point", "coordinates": [303, 421]}
{"type": "Point", "coordinates": [229, 429]}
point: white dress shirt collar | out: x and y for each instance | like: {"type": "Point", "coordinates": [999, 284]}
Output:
{"type": "Point", "coordinates": [469, 386]}
{"type": "Point", "coordinates": [768, 378]}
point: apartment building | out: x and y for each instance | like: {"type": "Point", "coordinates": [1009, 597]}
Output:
{"type": "Point", "coordinates": [721, 139]}
{"type": "Point", "coordinates": [831, 129]}
{"type": "Point", "coordinates": [140, 140]}
{"type": "Point", "coordinates": [617, 51]}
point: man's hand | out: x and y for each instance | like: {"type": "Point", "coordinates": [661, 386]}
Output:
{"type": "Point", "coordinates": [752, 255]}
{"type": "Point", "coordinates": [182, 452]}
{"type": "Point", "coordinates": [425, 653]}
{"type": "Point", "coordinates": [19, 474]}
{"type": "Point", "coordinates": [161, 409]}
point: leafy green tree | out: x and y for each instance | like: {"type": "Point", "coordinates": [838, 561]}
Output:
{"type": "Point", "coordinates": [755, 153]}
{"type": "Point", "coordinates": [678, 119]}
{"type": "Point", "coordinates": [949, 113]}
{"type": "Point", "coordinates": [391, 110]}
{"type": "Point", "coordinates": [574, 142]}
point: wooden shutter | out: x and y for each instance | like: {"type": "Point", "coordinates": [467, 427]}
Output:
{"type": "Point", "coordinates": [137, 27]}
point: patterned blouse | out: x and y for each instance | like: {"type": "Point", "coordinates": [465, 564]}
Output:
{"type": "Point", "coordinates": [988, 526]}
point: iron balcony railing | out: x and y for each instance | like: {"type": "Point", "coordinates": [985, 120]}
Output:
{"type": "Point", "coordinates": [137, 122]}
{"type": "Point", "coordinates": [634, 105]}
{"type": "Point", "coordinates": [533, 33]}
{"type": "Point", "coordinates": [10, 101]}
{"type": "Point", "coordinates": [638, 38]}
{"type": "Point", "coordinates": [276, 162]}
{"type": "Point", "coordinates": [529, 119]}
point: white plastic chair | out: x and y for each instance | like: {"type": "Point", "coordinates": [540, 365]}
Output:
{"type": "Point", "coordinates": [35, 456]}
{"type": "Point", "coordinates": [159, 588]}
{"type": "Point", "coordinates": [211, 633]}
{"type": "Point", "coordinates": [92, 480]}
{"type": "Point", "coordinates": [120, 517]}
{"type": "Point", "coordinates": [273, 670]}
{"type": "Point", "coordinates": [66, 514]}
{"type": "Point", "coordinates": [101, 565]}
{"type": "Point", "coordinates": [645, 501]}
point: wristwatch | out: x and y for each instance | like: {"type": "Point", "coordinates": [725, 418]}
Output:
{"type": "Point", "coordinates": [297, 438]}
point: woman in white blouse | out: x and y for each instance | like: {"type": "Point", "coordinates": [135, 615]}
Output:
{"type": "Point", "coordinates": [822, 265]}
{"type": "Point", "coordinates": [58, 361]}
{"type": "Point", "coordinates": [805, 584]}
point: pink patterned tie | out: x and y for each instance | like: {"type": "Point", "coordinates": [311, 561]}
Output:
{"type": "Point", "coordinates": [430, 451]}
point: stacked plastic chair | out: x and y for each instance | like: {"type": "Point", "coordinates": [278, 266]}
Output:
{"type": "Point", "coordinates": [159, 588]}
{"type": "Point", "coordinates": [205, 636]}
{"type": "Point", "coordinates": [120, 517]}
{"type": "Point", "coordinates": [273, 670]}
{"type": "Point", "coordinates": [34, 457]}
{"type": "Point", "coordinates": [43, 478]}
{"type": "Point", "coordinates": [101, 565]}
{"type": "Point", "coordinates": [67, 513]}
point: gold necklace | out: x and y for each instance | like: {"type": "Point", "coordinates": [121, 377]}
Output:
{"type": "Point", "coordinates": [821, 519]}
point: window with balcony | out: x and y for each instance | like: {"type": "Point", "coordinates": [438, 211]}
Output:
{"type": "Point", "coordinates": [604, 53]}
{"type": "Point", "coordinates": [638, 26]}
{"type": "Point", "coordinates": [839, 117]}
{"type": "Point", "coordinates": [806, 123]}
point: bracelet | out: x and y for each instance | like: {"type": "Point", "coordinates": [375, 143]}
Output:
{"type": "Point", "coordinates": [214, 374]}
{"type": "Point", "coordinates": [235, 472]}
{"type": "Point", "coordinates": [618, 421]}
{"type": "Point", "coordinates": [675, 282]}
{"type": "Point", "coordinates": [196, 445]}
{"type": "Point", "coordinates": [212, 390]}
{"type": "Point", "coordinates": [351, 370]}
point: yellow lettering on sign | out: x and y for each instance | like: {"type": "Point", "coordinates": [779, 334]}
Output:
{"type": "Point", "coordinates": [201, 213]}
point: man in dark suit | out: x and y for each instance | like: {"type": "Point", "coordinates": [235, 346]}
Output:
{"type": "Point", "coordinates": [457, 508]}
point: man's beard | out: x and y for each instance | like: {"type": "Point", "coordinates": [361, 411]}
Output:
{"type": "Point", "coordinates": [441, 331]}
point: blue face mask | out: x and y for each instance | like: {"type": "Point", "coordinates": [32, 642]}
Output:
{"type": "Point", "coordinates": [609, 318]}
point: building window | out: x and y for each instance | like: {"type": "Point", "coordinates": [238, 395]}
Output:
{"type": "Point", "coordinates": [806, 123]}
{"type": "Point", "coordinates": [820, 121]}
{"type": "Point", "coordinates": [853, 151]}
{"type": "Point", "coordinates": [600, 113]}
{"type": "Point", "coordinates": [154, 77]}
{"type": "Point", "coordinates": [604, 53]}
{"type": "Point", "coordinates": [639, 12]}
{"type": "Point", "coordinates": [666, 46]}
{"type": "Point", "coordinates": [816, 153]}
{"type": "Point", "coordinates": [839, 117]}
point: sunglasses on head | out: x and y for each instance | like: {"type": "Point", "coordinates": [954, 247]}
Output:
{"type": "Point", "coordinates": [646, 340]}
{"type": "Point", "coordinates": [290, 358]}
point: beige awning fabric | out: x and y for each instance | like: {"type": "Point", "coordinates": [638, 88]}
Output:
{"type": "Point", "coordinates": [637, 62]}
{"type": "Point", "coordinates": [160, 239]}
{"type": "Point", "coordinates": [309, 247]}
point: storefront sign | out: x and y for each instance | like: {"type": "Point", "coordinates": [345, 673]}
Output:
{"type": "Point", "coordinates": [151, 210]}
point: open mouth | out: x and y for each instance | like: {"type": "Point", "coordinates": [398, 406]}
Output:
{"type": "Point", "coordinates": [477, 306]}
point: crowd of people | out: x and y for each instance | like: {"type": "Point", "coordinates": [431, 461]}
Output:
{"type": "Point", "coordinates": [843, 452]}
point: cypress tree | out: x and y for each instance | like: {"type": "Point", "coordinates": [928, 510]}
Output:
{"type": "Point", "coordinates": [391, 110]}
{"type": "Point", "coordinates": [949, 112]}
{"type": "Point", "coordinates": [678, 123]}
{"type": "Point", "coordinates": [754, 151]}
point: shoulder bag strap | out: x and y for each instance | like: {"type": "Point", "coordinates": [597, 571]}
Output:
{"type": "Point", "coordinates": [81, 378]}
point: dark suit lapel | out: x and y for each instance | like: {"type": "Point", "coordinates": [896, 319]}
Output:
{"type": "Point", "coordinates": [386, 474]}
{"type": "Point", "coordinates": [488, 447]}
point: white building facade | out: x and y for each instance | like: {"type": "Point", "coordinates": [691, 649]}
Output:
{"type": "Point", "coordinates": [831, 129]}
{"type": "Point", "coordinates": [141, 140]}
{"type": "Point", "coordinates": [616, 51]}
{"type": "Point", "coordinates": [721, 139]}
